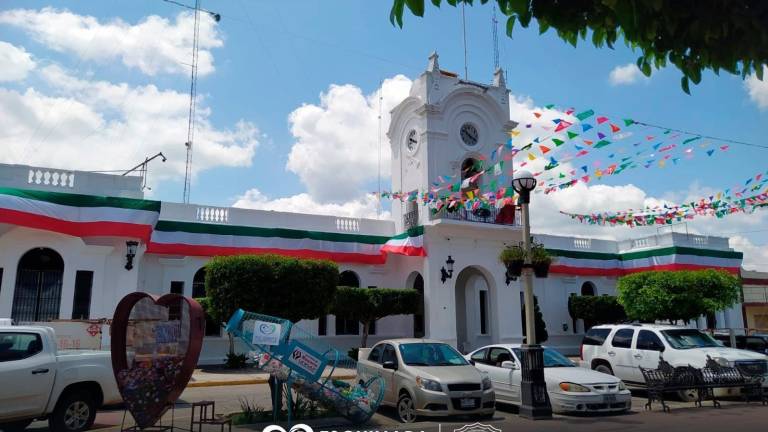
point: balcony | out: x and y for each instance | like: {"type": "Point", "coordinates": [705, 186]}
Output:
{"type": "Point", "coordinates": [482, 215]}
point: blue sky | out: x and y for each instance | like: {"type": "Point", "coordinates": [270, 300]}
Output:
{"type": "Point", "coordinates": [271, 57]}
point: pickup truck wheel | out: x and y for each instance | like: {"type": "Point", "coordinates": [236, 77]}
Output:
{"type": "Point", "coordinates": [75, 412]}
{"type": "Point", "coordinates": [16, 426]}
{"type": "Point", "coordinates": [604, 368]}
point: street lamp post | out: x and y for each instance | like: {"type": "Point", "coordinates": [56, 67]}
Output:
{"type": "Point", "coordinates": [534, 399]}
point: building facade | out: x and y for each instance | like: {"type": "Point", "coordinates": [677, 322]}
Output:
{"type": "Point", "coordinates": [64, 239]}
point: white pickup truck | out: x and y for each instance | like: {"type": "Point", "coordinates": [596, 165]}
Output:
{"type": "Point", "coordinates": [37, 381]}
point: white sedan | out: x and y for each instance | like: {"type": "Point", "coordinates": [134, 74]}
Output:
{"type": "Point", "coordinates": [570, 388]}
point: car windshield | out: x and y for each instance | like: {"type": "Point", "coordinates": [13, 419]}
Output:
{"type": "Point", "coordinates": [430, 354]}
{"type": "Point", "coordinates": [689, 338]}
{"type": "Point", "coordinates": [552, 358]}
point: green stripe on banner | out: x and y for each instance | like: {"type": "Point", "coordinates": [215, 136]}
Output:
{"type": "Point", "coordinates": [628, 256]}
{"type": "Point", "coordinates": [411, 232]}
{"type": "Point", "coordinates": [201, 228]}
{"type": "Point", "coordinates": [78, 200]}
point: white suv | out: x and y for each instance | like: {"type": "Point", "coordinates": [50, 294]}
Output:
{"type": "Point", "coordinates": [622, 349]}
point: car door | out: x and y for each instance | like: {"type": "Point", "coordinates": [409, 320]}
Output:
{"type": "Point", "coordinates": [26, 374]}
{"type": "Point", "coordinates": [501, 378]}
{"type": "Point", "coordinates": [648, 349]}
{"type": "Point", "coordinates": [388, 354]}
{"type": "Point", "coordinates": [620, 354]}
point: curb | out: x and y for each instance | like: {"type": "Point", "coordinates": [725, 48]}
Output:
{"type": "Point", "coordinates": [249, 381]}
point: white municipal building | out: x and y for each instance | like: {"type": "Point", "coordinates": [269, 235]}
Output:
{"type": "Point", "coordinates": [64, 237]}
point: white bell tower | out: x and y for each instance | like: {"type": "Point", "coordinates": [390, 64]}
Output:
{"type": "Point", "coordinates": [443, 123]}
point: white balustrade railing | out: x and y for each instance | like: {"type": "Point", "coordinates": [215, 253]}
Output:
{"type": "Point", "coordinates": [212, 214]}
{"type": "Point", "coordinates": [348, 224]}
{"type": "Point", "coordinates": [64, 179]}
{"type": "Point", "coordinates": [582, 243]}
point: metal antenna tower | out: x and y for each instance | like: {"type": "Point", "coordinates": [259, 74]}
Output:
{"type": "Point", "coordinates": [192, 106]}
{"type": "Point", "coordinates": [464, 34]}
{"type": "Point", "coordinates": [495, 27]}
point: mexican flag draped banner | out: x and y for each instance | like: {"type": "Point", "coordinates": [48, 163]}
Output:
{"type": "Point", "coordinates": [79, 215]}
{"type": "Point", "coordinates": [200, 239]}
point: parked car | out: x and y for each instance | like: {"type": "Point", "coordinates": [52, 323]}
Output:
{"type": "Point", "coordinates": [757, 343]}
{"type": "Point", "coordinates": [427, 378]}
{"type": "Point", "coordinates": [570, 388]}
{"type": "Point", "coordinates": [621, 350]}
{"type": "Point", "coordinates": [41, 382]}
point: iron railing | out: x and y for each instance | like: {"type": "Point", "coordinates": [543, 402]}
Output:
{"type": "Point", "coordinates": [483, 215]}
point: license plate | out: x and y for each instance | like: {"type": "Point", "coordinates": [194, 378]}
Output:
{"type": "Point", "coordinates": [609, 398]}
{"type": "Point", "coordinates": [467, 403]}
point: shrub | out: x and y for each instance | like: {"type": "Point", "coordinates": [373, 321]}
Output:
{"type": "Point", "coordinates": [285, 287]}
{"type": "Point", "coordinates": [596, 310]}
{"type": "Point", "coordinates": [369, 304]}
{"type": "Point", "coordinates": [682, 295]}
{"type": "Point", "coordinates": [235, 361]}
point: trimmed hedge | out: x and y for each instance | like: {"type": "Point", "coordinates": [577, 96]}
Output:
{"type": "Point", "coordinates": [595, 310]}
{"type": "Point", "coordinates": [681, 295]}
{"type": "Point", "coordinates": [370, 304]}
{"type": "Point", "coordinates": [284, 287]}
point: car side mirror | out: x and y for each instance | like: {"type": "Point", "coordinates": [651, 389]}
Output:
{"type": "Point", "coordinates": [472, 362]}
{"type": "Point", "coordinates": [509, 365]}
{"type": "Point", "coordinates": [389, 365]}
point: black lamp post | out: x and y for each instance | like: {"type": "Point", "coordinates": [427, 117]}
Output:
{"type": "Point", "coordinates": [447, 274]}
{"type": "Point", "coordinates": [131, 246]}
{"type": "Point", "coordinates": [534, 399]}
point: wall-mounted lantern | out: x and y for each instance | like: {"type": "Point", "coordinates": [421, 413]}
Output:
{"type": "Point", "coordinates": [447, 274]}
{"type": "Point", "coordinates": [130, 246]}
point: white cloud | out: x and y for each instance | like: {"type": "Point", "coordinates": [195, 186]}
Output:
{"type": "Point", "coordinates": [153, 45]}
{"type": "Point", "coordinates": [625, 75]}
{"type": "Point", "coordinates": [303, 203]}
{"type": "Point", "coordinates": [336, 149]}
{"type": "Point", "coordinates": [15, 62]}
{"type": "Point", "coordinates": [98, 125]}
{"type": "Point", "coordinates": [755, 257]}
{"type": "Point", "coordinates": [758, 90]}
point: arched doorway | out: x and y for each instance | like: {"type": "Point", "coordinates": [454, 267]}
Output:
{"type": "Point", "coordinates": [349, 278]}
{"type": "Point", "coordinates": [37, 294]}
{"type": "Point", "coordinates": [198, 283]}
{"type": "Point", "coordinates": [347, 326]}
{"type": "Point", "coordinates": [415, 281]}
{"type": "Point", "coordinates": [474, 318]}
{"type": "Point", "coordinates": [588, 289]}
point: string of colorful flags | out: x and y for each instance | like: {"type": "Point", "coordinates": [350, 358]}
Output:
{"type": "Point", "coordinates": [752, 196]}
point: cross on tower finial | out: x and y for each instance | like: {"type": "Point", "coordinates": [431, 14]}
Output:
{"type": "Point", "coordinates": [498, 78]}
{"type": "Point", "coordinates": [433, 66]}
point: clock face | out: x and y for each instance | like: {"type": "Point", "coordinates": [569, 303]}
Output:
{"type": "Point", "coordinates": [469, 134]}
{"type": "Point", "coordinates": [412, 141]}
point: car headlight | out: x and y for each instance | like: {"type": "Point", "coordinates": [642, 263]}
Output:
{"type": "Point", "coordinates": [487, 383]}
{"type": "Point", "coordinates": [573, 387]}
{"type": "Point", "coordinates": [722, 361]}
{"type": "Point", "coordinates": [622, 386]}
{"type": "Point", "coordinates": [428, 384]}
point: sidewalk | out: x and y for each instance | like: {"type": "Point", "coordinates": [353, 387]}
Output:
{"type": "Point", "coordinates": [212, 377]}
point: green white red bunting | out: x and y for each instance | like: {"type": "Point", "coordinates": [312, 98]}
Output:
{"type": "Point", "coordinates": [79, 215]}
{"type": "Point", "coordinates": [669, 258]}
{"type": "Point", "coordinates": [198, 239]}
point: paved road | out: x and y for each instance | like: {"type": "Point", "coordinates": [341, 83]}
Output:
{"type": "Point", "coordinates": [733, 417]}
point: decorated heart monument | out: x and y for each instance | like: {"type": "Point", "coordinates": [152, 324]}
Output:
{"type": "Point", "coordinates": [156, 342]}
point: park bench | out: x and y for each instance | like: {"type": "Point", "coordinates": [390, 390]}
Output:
{"type": "Point", "coordinates": [666, 378]}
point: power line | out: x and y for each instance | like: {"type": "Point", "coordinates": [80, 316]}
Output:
{"type": "Point", "coordinates": [703, 136]}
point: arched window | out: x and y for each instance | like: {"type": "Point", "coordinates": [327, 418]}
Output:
{"type": "Point", "coordinates": [469, 168]}
{"type": "Point", "coordinates": [346, 326]}
{"type": "Point", "coordinates": [349, 278]}
{"type": "Point", "coordinates": [37, 295]}
{"type": "Point", "coordinates": [588, 289]}
{"type": "Point", "coordinates": [418, 317]}
{"type": "Point", "coordinates": [198, 283]}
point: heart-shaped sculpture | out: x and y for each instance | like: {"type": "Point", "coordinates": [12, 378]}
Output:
{"type": "Point", "coordinates": [156, 343]}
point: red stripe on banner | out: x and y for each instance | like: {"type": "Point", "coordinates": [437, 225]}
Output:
{"type": "Point", "coordinates": [405, 250]}
{"type": "Point", "coordinates": [592, 271]}
{"type": "Point", "coordinates": [209, 251]}
{"type": "Point", "coordinates": [77, 229]}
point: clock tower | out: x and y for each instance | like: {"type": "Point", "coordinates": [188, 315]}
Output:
{"type": "Point", "coordinates": [443, 126]}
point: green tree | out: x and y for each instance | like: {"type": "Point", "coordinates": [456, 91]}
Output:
{"type": "Point", "coordinates": [694, 36]}
{"type": "Point", "coordinates": [276, 285]}
{"type": "Point", "coordinates": [370, 304]}
{"type": "Point", "coordinates": [683, 295]}
{"type": "Point", "coordinates": [540, 325]}
{"type": "Point", "coordinates": [596, 310]}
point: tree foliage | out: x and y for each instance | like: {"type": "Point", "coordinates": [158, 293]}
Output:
{"type": "Point", "coordinates": [692, 35]}
{"type": "Point", "coordinates": [285, 287]}
{"type": "Point", "coordinates": [682, 295]}
{"type": "Point", "coordinates": [370, 304]}
{"type": "Point", "coordinates": [596, 310]}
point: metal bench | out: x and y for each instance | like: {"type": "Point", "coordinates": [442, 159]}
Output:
{"type": "Point", "coordinates": [705, 380]}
